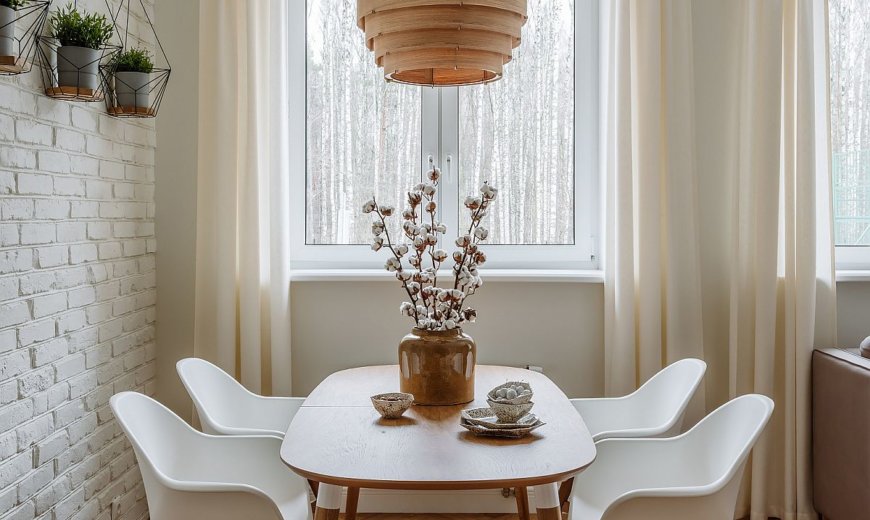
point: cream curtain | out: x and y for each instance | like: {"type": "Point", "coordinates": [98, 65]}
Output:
{"type": "Point", "coordinates": [242, 249]}
{"type": "Point", "coordinates": [768, 212]}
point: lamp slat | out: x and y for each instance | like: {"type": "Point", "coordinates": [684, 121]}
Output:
{"type": "Point", "coordinates": [367, 7]}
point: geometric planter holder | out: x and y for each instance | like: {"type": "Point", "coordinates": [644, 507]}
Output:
{"type": "Point", "coordinates": [74, 73]}
{"type": "Point", "coordinates": [136, 94]}
{"type": "Point", "coordinates": [19, 31]}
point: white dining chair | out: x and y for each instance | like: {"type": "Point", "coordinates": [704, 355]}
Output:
{"type": "Point", "coordinates": [189, 474]}
{"type": "Point", "coordinates": [225, 407]}
{"type": "Point", "coordinates": [694, 475]}
{"type": "Point", "coordinates": [656, 409]}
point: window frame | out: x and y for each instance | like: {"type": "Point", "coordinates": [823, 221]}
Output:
{"type": "Point", "coordinates": [440, 140]}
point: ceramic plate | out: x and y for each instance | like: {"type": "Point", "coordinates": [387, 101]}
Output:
{"type": "Point", "coordinates": [510, 433]}
{"type": "Point", "coordinates": [486, 417]}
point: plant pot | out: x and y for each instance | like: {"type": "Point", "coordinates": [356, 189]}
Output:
{"type": "Point", "coordinates": [78, 67]}
{"type": "Point", "coordinates": [8, 45]}
{"type": "Point", "coordinates": [438, 366]}
{"type": "Point", "coordinates": [132, 89]}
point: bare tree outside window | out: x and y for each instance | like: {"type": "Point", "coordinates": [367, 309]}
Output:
{"type": "Point", "coordinates": [363, 134]}
{"type": "Point", "coordinates": [518, 133]}
{"type": "Point", "coordinates": [849, 23]}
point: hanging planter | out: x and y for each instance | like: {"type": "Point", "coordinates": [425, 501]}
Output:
{"type": "Point", "coordinates": [72, 54]}
{"type": "Point", "coordinates": [21, 22]}
{"type": "Point", "coordinates": [135, 86]}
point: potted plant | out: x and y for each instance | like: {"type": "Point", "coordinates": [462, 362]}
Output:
{"type": "Point", "coordinates": [81, 38]}
{"type": "Point", "coordinates": [132, 73]}
{"type": "Point", "coordinates": [437, 358]}
{"type": "Point", "coordinates": [8, 15]}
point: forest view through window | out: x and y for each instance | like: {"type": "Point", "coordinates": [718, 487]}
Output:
{"type": "Point", "coordinates": [849, 22]}
{"type": "Point", "coordinates": [365, 136]}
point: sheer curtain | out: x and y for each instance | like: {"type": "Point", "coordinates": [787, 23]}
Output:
{"type": "Point", "coordinates": [774, 292]}
{"type": "Point", "coordinates": [242, 249]}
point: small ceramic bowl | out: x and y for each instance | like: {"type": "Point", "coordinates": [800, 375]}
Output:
{"type": "Point", "coordinates": [520, 399]}
{"type": "Point", "coordinates": [392, 405]}
{"type": "Point", "coordinates": [509, 413]}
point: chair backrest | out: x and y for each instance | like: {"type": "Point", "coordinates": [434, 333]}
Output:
{"type": "Point", "coordinates": [720, 443]}
{"type": "Point", "coordinates": [665, 396]}
{"type": "Point", "coordinates": [219, 399]}
{"type": "Point", "coordinates": [163, 442]}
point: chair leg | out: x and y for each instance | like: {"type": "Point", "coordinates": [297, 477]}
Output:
{"type": "Point", "coordinates": [522, 503]}
{"type": "Point", "coordinates": [328, 502]}
{"type": "Point", "coordinates": [547, 502]}
{"type": "Point", "coordinates": [352, 502]}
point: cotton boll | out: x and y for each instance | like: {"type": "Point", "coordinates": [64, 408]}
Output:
{"type": "Point", "coordinates": [369, 206]}
{"type": "Point", "coordinates": [387, 210]}
{"type": "Point", "coordinates": [392, 264]}
{"type": "Point", "coordinates": [429, 190]}
{"type": "Point", "coordinates": [481, 233]}
{"type": "Point", "coordinates": [440, 255]}
{"type": "Point", "coordinates": [403, 276]}
{"type": "Point", "coordinates": [402, 249]}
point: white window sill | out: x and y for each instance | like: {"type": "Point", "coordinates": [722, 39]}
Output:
{"type": "Point", "coordinates": [853, 275]}
{"type": "Point", "coordinates": [491, 275]}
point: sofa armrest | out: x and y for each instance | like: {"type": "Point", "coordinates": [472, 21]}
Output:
{"type": "Point", "coordinates": [841, 433]}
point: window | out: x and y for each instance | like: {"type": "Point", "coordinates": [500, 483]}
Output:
{"type": "Point", "coordinates": [849, 25]}
{"type": "Point", "coordinates": [533, 135]}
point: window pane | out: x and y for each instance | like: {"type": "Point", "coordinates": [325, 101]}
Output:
{"type": "Point", "coordinates": [850, 120]}
{"type": "Point", "coordinates": [363, 135]}
{"type": "Point", "coordinates": [518, 133]}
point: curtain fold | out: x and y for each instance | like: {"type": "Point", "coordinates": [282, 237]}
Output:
{"type": "Point", "coordinates": [242, 251]}
{"type": "Point", "coordinates": [777, 289]}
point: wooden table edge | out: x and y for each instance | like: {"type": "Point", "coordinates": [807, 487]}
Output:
{"type": "Point", "coordinates": [454, 485]}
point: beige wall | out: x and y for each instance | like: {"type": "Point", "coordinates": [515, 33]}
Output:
{"type": "Point", "coordinates": [554, 325]}
{"type": "Point", "coordinates": [176, 198]}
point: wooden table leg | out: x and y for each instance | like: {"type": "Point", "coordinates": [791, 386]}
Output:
{"type": "Point", "coordinates": [565, 493]}
{"type": "Point", "coordinates": [547, 502]}
{"type": "Point", "coordinates": [522, 503]}
{"type": "Point", "coordinates": [352, 501]}
{"type": "Point", "coordinates": [328, 502]}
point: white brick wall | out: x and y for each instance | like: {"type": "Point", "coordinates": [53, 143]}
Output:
{"type": "Point", "coordinates": [77, 301]}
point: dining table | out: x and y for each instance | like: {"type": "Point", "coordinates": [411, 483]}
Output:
{"type": "Point", "coordinates": [338, 440]}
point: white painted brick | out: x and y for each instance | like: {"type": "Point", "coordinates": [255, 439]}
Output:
{"type": "Point", "coordinates": [102, 312]}
{"type": "Point", "coordinates": [99, 189]}
{"type": "Point", "coordinates": [50, 351]}
{"type": "Point", "coordinates": [124, 229]}
{"type": "Point", "coordinates": [99, 230]}
{"type": "Point", "coordinates": [34, 431]}
{"type": "Point", "coordinates": [36, 331]}
{"type": "Point", "coordinates": [9, 235]}
{"type": "Point", "coordinates": [35, 283]}
{"type": "Point", "coordinates": [69, 140]}
{"type": "Point", "coordinates": [129, 210]}
{"type": "Point", "coordinates": [37, 233]}
{"type": "Point", "coordinates": [97, 273]}
{"type": "Point", "coordinates": [72, 231]}
{"type": "Point", "coordinates": [84, 209]}
{"type": "Point", "coordinates": [99, 146]}
{"type": "Point", "coordinates": [57, 162]}
{"type": "Point", "coordinates": [134, 247]}
{"type": "Point", "coordinates": [84, 165]}
{"type": "Point", "coordinates": [84, 119]}
{"type": "Point", "coordinates": [111, 330]}
{"type": "Point", "coordinates": [8, 289]}
{"type": "Point", "coordinates": [71, 321]}
{"type": "Point", "coordinates": [37, 479]}
{"type": "Point", "coordinates": [52, 256]}
{"type": "Point", "coordinates": [53, 494]}
{"type": "Point", "coordinates": [16, 209]}
{"type": "Point", "coordinates": [83, 384]}
{"type": "Point", "coordinates": [35, 184]}
{"type": "Point", "coordinates": [52, 109]}
{"type": "Point", "coordinates": [68, 413]}
{"type": "Point", "coordinates": [15, 468]}
{"type": "Point", "coordinates": [86, 425]}
{"type": "Point", "coordinates": [13, 157]}
{"type": "Point", "coordinates": [124, 190]}
{"type": "Point", "coordinates": [31, 132]}
{"type": "Point", "coordinates": [80, 253]}
{"type": "Point", "coordinates": [69, 186]}
{"type": "Point", "coordinates": [14, 314]}
{"type": "Point", "coordinates": [51, 209]}
{"type": "Point", "coordinates": [111, 170]}
{"type": "Point", "coordinates": [48, 305]}
{"type": "Point", "coordinates": [82, 296]}
{"type": "Point", "coordinates": [107, 291]}
{"type": "Point", "coordinates": [8, 340]}
{"type": "Point", "coordinates": [69, 505]}
{"type": "Point", "coordinates": [7, 183]}
{"type": "Point", "coordinates": [35, 381]}
{"type": "Point", "coordinates": [70, 366]}
{"type": "Point", "coordinates": [71, 277]}
{"type": "Point", "coordinates": [7, 128]}
{"type": "Point", "coordinates": [16, 261]}
{"type": "Point", "coordinates": [109, 250]}
{"type": "Point", "coordinates": [14, 363]}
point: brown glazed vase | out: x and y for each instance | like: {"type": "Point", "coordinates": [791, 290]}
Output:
{"type": "Point", "coordinates": [438, 366]}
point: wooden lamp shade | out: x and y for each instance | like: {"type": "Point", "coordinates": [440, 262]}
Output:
{"type": "Point", "coordinates": [442, 42]}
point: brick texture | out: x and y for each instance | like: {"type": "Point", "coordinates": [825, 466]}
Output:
{"type": "Point", "coordinates": [77, 299]}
